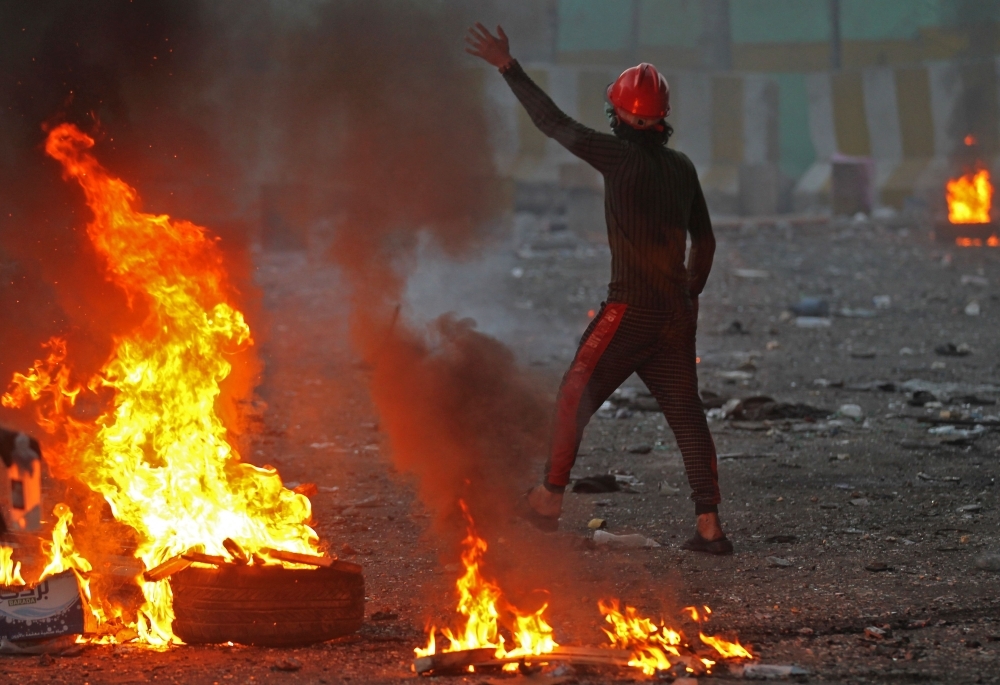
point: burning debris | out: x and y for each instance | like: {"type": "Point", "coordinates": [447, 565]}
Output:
{"type": "Point", "coordinates": [970, 199]}
{"type": "Point", "coordinates": [477, 641]}
{"type": "Point", "coordinates": [158, 453]}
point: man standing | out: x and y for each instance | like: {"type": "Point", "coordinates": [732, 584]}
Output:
{"type": "Point", "coordinates": [652, 202]}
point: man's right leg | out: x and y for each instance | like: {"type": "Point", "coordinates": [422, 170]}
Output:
{"type": "Point", "coordinates": [612, 347]}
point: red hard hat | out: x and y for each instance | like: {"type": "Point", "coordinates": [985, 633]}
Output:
{"type": "Point", "coordinates": [643, 92]}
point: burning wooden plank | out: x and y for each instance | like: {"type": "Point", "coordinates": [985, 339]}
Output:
{"type": "Point", "coordinates": [166, 569]}
{"type": "Point", "coordinates": [296, 558]}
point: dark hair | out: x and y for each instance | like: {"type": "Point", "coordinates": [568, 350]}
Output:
{"type": "Point", "coordinates": [651, 137]}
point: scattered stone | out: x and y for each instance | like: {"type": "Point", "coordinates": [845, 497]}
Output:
{"type": "Point", "coordinates": [811, 307]}
{"type": "Point", "coordinates": [972, 309]}
{"type": "Point", "coordinates": [861, 502]}
{"type": "Point", "coordinates": [969, 508]}
{"type": "Point", "coordinates": [876, 633]}
{"type": "Point", "coordinates": [812, 322]}
{"type": "Point", "coordinates": [851, 411]}
{"type": "Point", "coordinates": [778, 562]}
{"type": "Point", "coordinates": [877, 567]}
{"type": "Point", "coordinates": [597, 484]}
{"type": "Point", "coordinates": [990, 561]}
{"type": "Point", "coordinates": [735, 328]}
{"type": "Point", "coordinates": [882, 301]}
{"type": "Point", "coordinates": [666, 488]}
{"type": "Point", "coordinates": [751, 273]}
{"type": "Point", "coordinates": [640, 449]}
{"type": "Point", "coordinates": [347, 550]}
{"type": "Point", "coordinates": [806, 631]}
{"type": "Point", "coordinates": [384, 616]}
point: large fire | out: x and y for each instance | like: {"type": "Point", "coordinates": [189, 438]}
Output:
{"type": "Point", "coordinates": [480, 602]}
{"type": "Point", "coordinates": [159, 454]}
{"type": "Point", "coordinates": [970, 198]}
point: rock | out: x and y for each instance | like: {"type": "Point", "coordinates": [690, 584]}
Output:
{"type": "Point", "coordinates": [882, 301]}
{"type": "Point", "coordinates": [640, 449]}
{"type": "Point", "coordinates": [778, 562]}
{"type": "Point", "coordinates": [347, 550]}
{"type": "Point", "coordinates": [384, 616]}
{"type": "Point", "coordinates": [812, 322]}
{"type": "Point", "coordinates": [972, 309]}
{"type": "Point", "coordinates": [877, 567]}
{"type": "Point", "coordinates": [861, 502]}
{"type": "Point", "coordinates": [990, 561]}
{"type": "Point", "coordinates": [851, 411]}
{"type": "Point", "coordinates": [806, 631]}
{"type": "Point", "coordinates": [811, 307]}
{"type": "Point", "coordinates": [876, 633]}
{"type": "Point", "coordinates": [666, 488]}
{"type": "Point", "coordinates": [969, 508]}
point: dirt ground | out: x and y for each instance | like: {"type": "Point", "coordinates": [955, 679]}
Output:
{"type": "Point", "coordinates": [860, 520]}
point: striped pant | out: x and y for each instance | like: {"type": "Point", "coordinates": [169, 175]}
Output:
{"type": "Point", "coordinates": [659, 345]}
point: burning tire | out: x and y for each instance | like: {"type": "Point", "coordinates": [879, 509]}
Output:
{"type": "Point", "coordinates": [268, 605]}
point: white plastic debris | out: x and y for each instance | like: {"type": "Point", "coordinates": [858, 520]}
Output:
{"type": "Point", "coordinates": [972, 309]}
{"type": "Point", "coordinates": [950, 431]}
{"type": "Point", "coordinates": [882, 301]}
{"type": "Point", "coordinates": [634, 541]}
{"type": "Point", "coordinates": [769, 671]}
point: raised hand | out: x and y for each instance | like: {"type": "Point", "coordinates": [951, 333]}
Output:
{"type": "Point", "coordinates": [484, 45]}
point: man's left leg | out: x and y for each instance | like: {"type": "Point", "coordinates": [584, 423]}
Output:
{"type": "Point", "coordinates": [672, 377]}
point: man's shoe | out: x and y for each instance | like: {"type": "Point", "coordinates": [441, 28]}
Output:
{"type": "Point", "coordinates": [547, 524]}
{"type": "Point", "coordinates": [720, 548]}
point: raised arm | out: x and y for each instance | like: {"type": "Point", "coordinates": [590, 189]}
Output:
{"type": "Point", "coordinates": [601, 150]}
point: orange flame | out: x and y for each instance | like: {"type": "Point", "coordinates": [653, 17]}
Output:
{"type": "Point", "coordinates": [970, 198]}
{"type": "Point", "coordinates": [478, 605]}
{"type": "Point", "coordinates": [10, 571]}
{"type": "Point", "coordinates": [160, 455]}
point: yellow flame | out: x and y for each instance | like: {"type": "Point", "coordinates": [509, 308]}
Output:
{"type": "Point", "coordinates": [10, 570]}
{"type": "Point", "coordinates": [478, 602]}
{"type": "Point", "coordinates": [159, 455]}
{"type": "Point", "coordinates": [969, 198]}
{"type": "Point", "coordinates": [651, 644]}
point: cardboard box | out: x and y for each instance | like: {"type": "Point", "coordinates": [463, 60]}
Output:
{"type": "Point", "coordinates": [51, 608]}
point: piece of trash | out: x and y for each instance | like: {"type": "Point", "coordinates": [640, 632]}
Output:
{"type": "Point", "coordinates": [751, 273]}
{"type": "Point", "coordinates": [850, 313]}
{"type": "Point", "coordinates": [974, 280]}
{"type": "Point", "coordinates": [875, 633]}
{"type": "Point", "coordinates": [851, 411]}
{"type": "Point", "coordinates": [861, 502]}
{"type": "Point", "coordinates": [778, 562]}
{"type": "Point", "coordinates": [920, 398]}
{"type": "Point", "coordinates": [634, 541]}
{"type": "Point", "coordinates": [955, 432]}
{"type": "Point", "coordinates": [322, 445]}
{"type": "Point", "coordinates": [811, 307]}
{"type": "Point", "coordinates": [812, 322]}
{"type": "Point", "coordinates": [953, 350]}
{"type": "Point", "coordinates": [969, 508]}
{"type": "Point", "coordinates": [734, 375]}
{"type": "Point", "coordinates": [772, 345]}
{"type": "Point", "coordinates": [972, 309]}
{"type": "Point", "coordinates": [666, 488]}
{"type": "Point", "coordinates": [906, 351]}
{"type": "Point", "coordinates": [597, 524]}
{"type": "Point", "coordinates": [781, 539]}
{"type": "Point", "coordinates": [882, 301]}
{"type": "Point", "coordinates": [517, 272]}
{"type": "Point", "coordinates": [990, 561]}
{"type": "Point", "coordinates": [286, 664]}
{"type": "Point", "coordinates": [597, 484]}
{"type": "Point", "coordinates": [768, 671]}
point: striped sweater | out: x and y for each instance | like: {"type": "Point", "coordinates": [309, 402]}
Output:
{"type": "Point", "coordinates": [652, 201]}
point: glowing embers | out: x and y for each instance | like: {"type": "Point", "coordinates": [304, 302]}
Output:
{"type": "Point", "coordinates": [991, 241]}
{"type": "Point", "coordinates": [158, 452]}
{"type": "Point", "coordinates": [481, 609]}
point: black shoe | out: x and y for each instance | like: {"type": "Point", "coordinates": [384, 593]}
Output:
{"type": "Point", "coordinates": [546, 524]}
{"type": "Point", "coordinates": [720, 548]}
